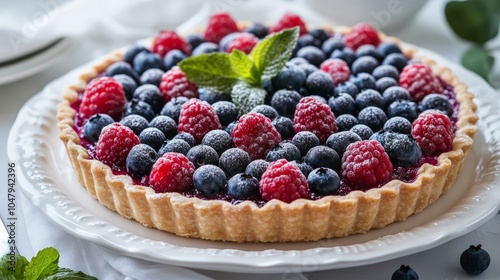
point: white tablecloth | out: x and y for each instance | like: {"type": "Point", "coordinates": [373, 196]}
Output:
{"type": "Point", "coordinates": [35, 231]}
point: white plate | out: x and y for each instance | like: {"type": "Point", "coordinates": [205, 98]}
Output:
{"type": "Point", "coordinates": [33, 63]}
{"type": "Point", "coordinates": [46, 177]}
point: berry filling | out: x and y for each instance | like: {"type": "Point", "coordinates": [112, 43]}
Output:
{"type": "Point", "coordinates": [344, 113]}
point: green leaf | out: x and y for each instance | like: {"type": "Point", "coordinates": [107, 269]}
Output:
{"type": "Point", "coordinates": [12, 267]}
{"type": "Point", "coordinates": [212, 70]}
{"type": "Point", "coordinates": [272, 52]}
{"type": "Point", "coordinates": [478, 60]}
{"type": "Point", "coordinates": [245, 97]}
{"type": "Point", "coordinates": [244, 67]}
{"type": "Point", "coordinates": [44, 264]}
{"type": "Point", "coordinates": [68, 274]}
{"type": "Point", "coordinates": [474, 20]}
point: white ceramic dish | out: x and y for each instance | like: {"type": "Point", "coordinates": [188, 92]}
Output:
{"type": "Point", "coordinates": [46, 177]}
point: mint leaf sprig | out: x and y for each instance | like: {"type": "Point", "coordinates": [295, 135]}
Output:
{"type": "Point", "coordinates": [476, 21]}
{"type": "Point", "coordinates": [240, 74]}
{"type": "Point", "coordinates": [43, 266]}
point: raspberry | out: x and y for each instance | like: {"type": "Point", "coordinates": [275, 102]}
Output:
{"type": "Point", "coordinates": [103, 95]}
{"type": "Point", "coordinates": [219, 25]}
{"type": "Point", "coordinates": [419, 80]}
{"type": "Point", "coordinates": [361, 34]}
{"type": "Point", "coordinates": [244, 42]}
{"type": "Point", "coordinates": [255, 134]}
{"type": "Point", "coordinates": [289, 20]}
{"type": "Point", "coordinates": [433, 132]}
{"type": "Point", "coordinates": [315, 116]}
{"type": "Point", "coordinates": [365, 164]}
{"type": "Point", "coordinates": [197, 118]}
{"type": "Point", "coordinates": [175, 84]}
{"type": "Point", "coordinates": [337, 69]}
{"type": "Point", "coordinates": [284, 181]}
{"type": "Point", "coordinates": [108, 152]}
{"type": "Point", "coordinates": [169, 40]}
{"type": "Point", "coordinates": [172, 172]}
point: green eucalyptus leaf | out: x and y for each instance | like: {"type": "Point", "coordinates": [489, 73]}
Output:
{"type": "Point", "coordinates": [478, 60]}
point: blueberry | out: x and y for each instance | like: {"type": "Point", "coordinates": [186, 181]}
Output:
{"type": "Point", "coordinates": [165, 124]}
{"type": "Point", "coordinates": [342, 104]}
{"type": "Point", "coordinates": [323, 181]}
{"type": "Point", "coordinates": [94, 125]}
{"type": "Point", "coordinates": [323, 156]}
{"type": "Point", "coordinates": [369, 50]}
{"type": "Point", "coordinates": [145, 60]}
{"type": "Point", "coordinates": [186, 137]}
{"type": "Point", "coordinates": [234, 161]}
{"type": "Point", "coordinates": [402, 149]}
{"type": "Point", "coordinates": [304, 168]}
{"type": "Point", "coordinates": [151, 95]}
{"type": "Point", "coordinates": [475, 260]}
{"type": "Point", "coordinates": [291, 77]}
{"type": "Point", "coordinates": [340, 140]}
{"type": "Point", "coordinates": [174, 146]}
{"type": "Point", "coordinates": [230, 126]}
{"type": "Point", "coordinates": [363, 131]}
{"type": "Point", "coordinates": [194, 40]}
{"type": "Point", "coordinates": [384, 83]}
{"type": "Point", "coordinates": [298, 61]}
{"type": "Point", "coordinates": [151, 76]}
{"type": "Point", "coordinates": [218, 139]}
{"type": "Point", "coordinates": [243, 186]}
{"type": "Point", "coordinates": [345, 54]}
{"type": "Point", "coordinates": [383, 71]}
{"type": "Point", "coordinates": [403, 108]}
{"type": "Point", "coordinates": [138, 107]}
{"type": "Point", "coordinates": [121, 67]}
{"type": "Point", "coordinates": [347, 87]}
{"type": "Point", "coordinates": [266, 110]}
{"type": "Point", "coordinates": [284, 126]}
{"type": "Point", "coordinates": [259, 30]}
{"type": "Point", "coordinates": [319, 83]}
{"type": "Point", "coordinates": [320, 99]}
{"type": "Point", "coordinates": [140, 160]}
{"type": "Point", "coordinates": [379, 136]}
{"type": "Point", "coordinates": [308, 40]}
{"type": "Point", "coordinates": [256, 168]}
{"type": "Point", "coordinates": [346, 122]}
{"type": "Point", "coordinates": [332, 44]}
{"type": "Point", "coordinates": [308, 68]}
{"type": "Point", "coordinates": [202, 154]}
{"type": "Point", "coordinates": [386, 48]}
{"type": "Point", "coordinates": [313, 54]}
{"type": "Point", "coordinates": [369, 97]}
{"type": "Point", "coordinates": [212, 96]}
{"type": "Point", "coordinates": [304, 141]}
{"type": "Point", "coordinates": [364, 81]}
{"type": "Point", "coordinates": [132, 52]}
{"type": "Point", "coordinates": [283, 150]}
{"type": "Point", "coordinates": [128, 84]}
{"type": "Point", "coordinates": [209, 180]}
{"type": "Point", "coordinates": [405, 272]}
{"type": "Point", "coordinates": [205, 47]}
{"type": "Point", "coordinates": [226, 40]}
{"type": "Point", "coordinates": [153, 137]}
{"type": "Point", "coordinates": [395, 93]}
{"type": "Point", "coordinates": [373, 117]}
{"type": "Point", "coordinates": [364, 64]}
{"type": "Point", "coordinates": [285, 101]}
{"type": "Point", "coordinates": [135, 122]}
{"type": "Point", "coordinates": [226, 112]}
{"type": "Point", "coordinates": [399, 125]}
{"type": "Point", "coordinates": [172, 58]}
{"type": "Point", "coordinates": [397, 60]}
{"type": "Point", "coordinates": [320, 34]}
{"type": "Point", "coordinates": [436, 101]}
{"type": "Point", "coordinates": [173, 107]}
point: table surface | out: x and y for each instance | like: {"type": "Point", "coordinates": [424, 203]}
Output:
{"type": "Point", "coordinates": [429, 30]}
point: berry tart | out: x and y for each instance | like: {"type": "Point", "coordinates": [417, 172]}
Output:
{"type": "Point", "coordinates": [267, 133]}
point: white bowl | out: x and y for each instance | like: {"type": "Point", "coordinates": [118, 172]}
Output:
{"type": "Point", "coordinates": [385, 15]}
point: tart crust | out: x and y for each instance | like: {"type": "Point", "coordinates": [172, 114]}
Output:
{"type": "Point", "coordinates": [276, 221]}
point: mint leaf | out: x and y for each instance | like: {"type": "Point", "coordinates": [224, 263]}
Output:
{"type": "Point", "coordinates": [245, 68]}
{"type": "Point", "coordinates": [478, 60]}
{"type": "Point", "coordinates": [272, 52]}
{"type": "Point", "coordinates": [245, 97]}
{"type": "Point", "coordinates": [68, 274]}
{"type": "Point", "coordinates": [44, 264]}
{"type": "Point", "coordinates": [17, 262]}
{"type": "Point", "coordinates": [212, 70]}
